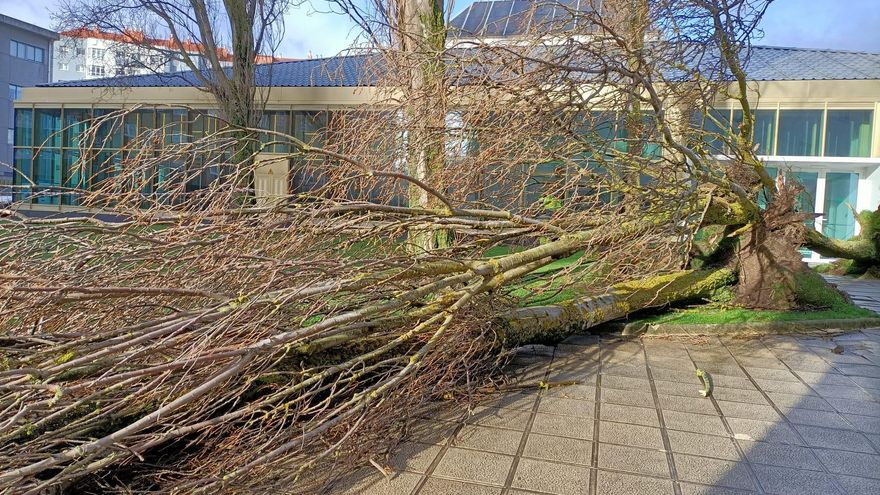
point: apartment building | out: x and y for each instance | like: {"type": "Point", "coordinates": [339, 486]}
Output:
{"type": "Point", "coordinates": [25, 61]}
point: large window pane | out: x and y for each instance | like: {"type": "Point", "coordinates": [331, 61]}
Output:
{"type": "Point", "coordinates": [47, 175]}
{"type": "Point", "coordinates": [24, 127]}
{"type": "Point", "coordinates": [840, 193]}
{"type": "Point", "coordinates": [763, 132]}
{"type": "Point", "coordinates": [716, 126]}
{"type": "Point", "coordinates": [800, 132]}
{"type": "Point", "coordinates": [75, 124]}
{"type": "Point", "coordinates": [848, 133]}
{"type": "Point", "coordinates": [48, 128]}
{"type": "Point", "coordinates": [23, 172]}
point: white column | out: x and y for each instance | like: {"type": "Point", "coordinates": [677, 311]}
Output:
{"type": "Point", "coordinates": [819, 207]}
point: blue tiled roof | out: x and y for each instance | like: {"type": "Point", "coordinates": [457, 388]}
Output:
{"type": "Point", "coordinates": [766, 64]}
{"type": "Point", "coordinates": [350, 71]}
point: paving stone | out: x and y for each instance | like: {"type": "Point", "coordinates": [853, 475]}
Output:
{"type": "Point", "coordinates": [765, 367]}
{"type": "Point", "coordinates": [841, 392]}
{"type": "Point", "coordinates": [713, 472]}
{"type": "Point", "coordinates": [585, 339]}
{"type": "Point", "coordinates": [633, 435]}
{"type": "Point", "coordinates": [859, 486]}
{"type": "Point", "coordinates": [778, 454]}
{"type": "Point", "coordinates": [625, 383]}
{"type": "Point", "coordinates": [687, 404]}
{"type": "Point", "coordinates": [835, 439]}
{"type": "Point", "coordinates": [854, 406]}
{"type": "Point", "coordinates": [813, 364]}
{"type": "Point", "coordinates": [581, 376]}
{"type": "Point", "coordinates": [629, 414]}
{"type": "Point", "coordinates": [413, 457]}
{"type": "Point", "coordinates": [627, 397]}
{"type": "Point", "coordinates": [740, 395]}
{"type": "Point", "coordinates": [850, 463]}
{"type": "Point", "coordinates": [569, 450]}
{"type": "Point", "coordinates": [579, 392]}
{"type": "Point", "coordinates": [867, 424]}
{"type": "Point", "coordinates": [866, 382]}
{"type": "Point", "coordinates": [624, 370]}
{"type": "Point", "coordinates": [522, 401]}
{"type": "Point", "coordinates": [816, 418]}
{"type": "Point", "coordinates": [748, 411]}
{"type": "Point", "coordinates": [379, 485]}
{"type": "Point", "coordinates": [683, 389]}
{"type": "Point", "coordinates": [549, 477]}
{"type": "Point", "coordinates": [674, 375]}
{"type": "Point", "coordinates": [705, 445]}
{"type": "Point", "coordinates": [429, 431]}
{"type": "Point", "coordinates": [569, 426]}
{"type": "Point", "coordinates": [694, 489]}
{"type": "Point", "coordinates": [679, 364]}
{"type": "Point", "coordinates": [825, 378]}
{"type": "Point", "coordinates": [634, 460]}
{"type": "Point", "coordinates": [789, 401]}
{"type": "Point", "coordinates": [436, 486]}
{"type": "Point", "coordinates": [609, 483]}
{"type": "Point", "coordinates": [496, 440]}
{"type": "Point", "coordinates": [473, 466]}
{"type": "Point", "coordinates": [784, 387]}
{"type": "Point", "coordinates": [866, 370]}
{"type": "Point", "coordinates": [499, 418]}
{"type": "Point", "coordinates": [763, 431]}
{"type": "Point", "coordinates": [696, 423]}
{"type": "Point", "coordinates": [787, 481]}
{"type": "Point", "coordinates": [567, 407]}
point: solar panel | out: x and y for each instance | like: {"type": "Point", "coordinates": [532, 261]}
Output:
{"type": "Point", "coordinates": [497, 19]}
{"type": "Point", "coordinates": [476, 18]}
{"type": "Point", "coordinates": [518, 21]}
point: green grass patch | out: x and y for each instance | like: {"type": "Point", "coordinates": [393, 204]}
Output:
{"type": "Point", "coordinates": [712, 314]}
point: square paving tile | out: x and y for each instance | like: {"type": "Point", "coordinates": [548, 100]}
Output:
{"type": "Point", "coordinates": [859, 486]}
{"type": "Point", "coordinates": [436, 486]}
{"type": "Point", "coordinates": [568, 426]}
{"type": "Point", "coordinates": [687, 404]}
{"type": "Point", "coordinates": [626, 383]}
{"type": "Point", "coordinates": [715, 472]}
{"type": "Point", "coordinates": [771, 385]}
{"type": "Point", "coordinates": [517, 400]}
{"type": "Point", "coordinates": [633, 459]}
{"type": "Point", "coordinates": [429, 431]}
{"type": "Point", "coordinates": [841, 392]}
{"type": "Point", "coordinates": [705, 445]}
{"type": "Point", "coordinates": [696, 423]}
{"type": "Point", "coordinates": [609, 483]}
{"type": "Point", "coordinates": [682, 389]}
{"type": "Point", "coordinates": [579, 392]}
{"type": "Point", "coordinates": [850, 463]}
{"type": "Point", "coordinates": [763, 431]}
{"type": "Point", "coordinates": [628, 397]}
{"type": "Point", "coordinates": [413, 457]}
{"type": "Point", "coordinates": [627, 370]}
{"type": "Point", "coordinates": [790, 401]}
{"type": "Point", "coordinates": [561, 449]}
{"type": "Point", "coordinates": [748, 411]}
{"type": "Point", "coordinates": [633, 435]}
{"type": "Point", "coordinates": [829, 438]}
{"type": "Point", "coordinates": [378, 485]}
{"type": "Point", "coordinates": [629, 414]}
{"type": "Point", "coordinates": [740, 395]}
{"type": "Point", "coordinates": [867, 424]}
{"type": "Point", "coordinates": [778, 454]}
{"type": "Point", "coordinates": [812, 417]}
{"type": "Point", "coordinates": [496, 440]}
{"type": "Point", "coordinates": [678, 376]}
{"type": "Point", "coordinates": [855, 406]}
{"type": "Point", "coordinates": [499, 418]}
{"type": "Point", "coordinates": [567, 407]}
{"type": "Point", "coordinates": [549, 477]}
{"type": "Point", "coordinates": [695, 489]}
{"type": "Point", "coordinates": [473, 466]}
{"type": "Point", "coordinates": [787, 481]}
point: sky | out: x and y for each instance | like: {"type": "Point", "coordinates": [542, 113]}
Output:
{"type": "Point", "coordinates": [312, 29]}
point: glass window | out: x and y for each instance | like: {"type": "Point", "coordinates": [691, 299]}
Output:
{"type": "Point", "coordinates": [716, 124]}
{"type": "Point", "coordinates": [73, 175]}
{"type": "Point", "coordinates": [24, 127]}
{"type": "Point", "coordinates": [47, 174]}
{"type": "Point", "coordinates": [841, 189]}
{"type": "Point", "coordinates": [14, 92]}
{"type": "Point", "coordinates": [848, 133]}
{"type": "Point", "coordinates": [75, 124]}
{"type": "Point", "coordinates": [109, 133]}
{"type": "Point", "coordinates": [764, 130]}
{"type": "Point", "coordinates": [800, 132]}
{"type": "Point", "coordinates": [96, 70]}
{"type": "Point", "coordinates": [48, 128]}
{"type": "Point", "coordinates": [23, 171]}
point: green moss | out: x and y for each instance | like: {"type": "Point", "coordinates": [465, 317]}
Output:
{"type": "Point", "coordinates": [715, 313]}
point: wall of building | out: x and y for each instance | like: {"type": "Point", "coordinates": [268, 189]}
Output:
{"type": "Point", "coordinates": [19, 72]}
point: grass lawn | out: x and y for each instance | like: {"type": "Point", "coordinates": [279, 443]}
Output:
{"type": "Point", "coordinates": [711, 313]}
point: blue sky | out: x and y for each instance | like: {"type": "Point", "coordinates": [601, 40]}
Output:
{"type": "Point", "coordinates": [839, 24]}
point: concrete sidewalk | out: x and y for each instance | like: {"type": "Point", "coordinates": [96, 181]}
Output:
{"type": "Point", "coordinates": [790, 415]}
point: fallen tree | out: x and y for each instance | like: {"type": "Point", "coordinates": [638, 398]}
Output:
{"type": "Point", "coordinates": [192, 347]}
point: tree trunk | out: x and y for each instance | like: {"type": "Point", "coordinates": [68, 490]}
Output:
{"type": "Point", "coordinates": [549, 323]}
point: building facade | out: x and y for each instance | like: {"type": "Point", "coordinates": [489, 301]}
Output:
{"type": "Point", "coordinates": [25, 61]}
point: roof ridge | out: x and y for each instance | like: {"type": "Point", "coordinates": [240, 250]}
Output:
{"type": "Point", "coordinates": [822, 50]}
